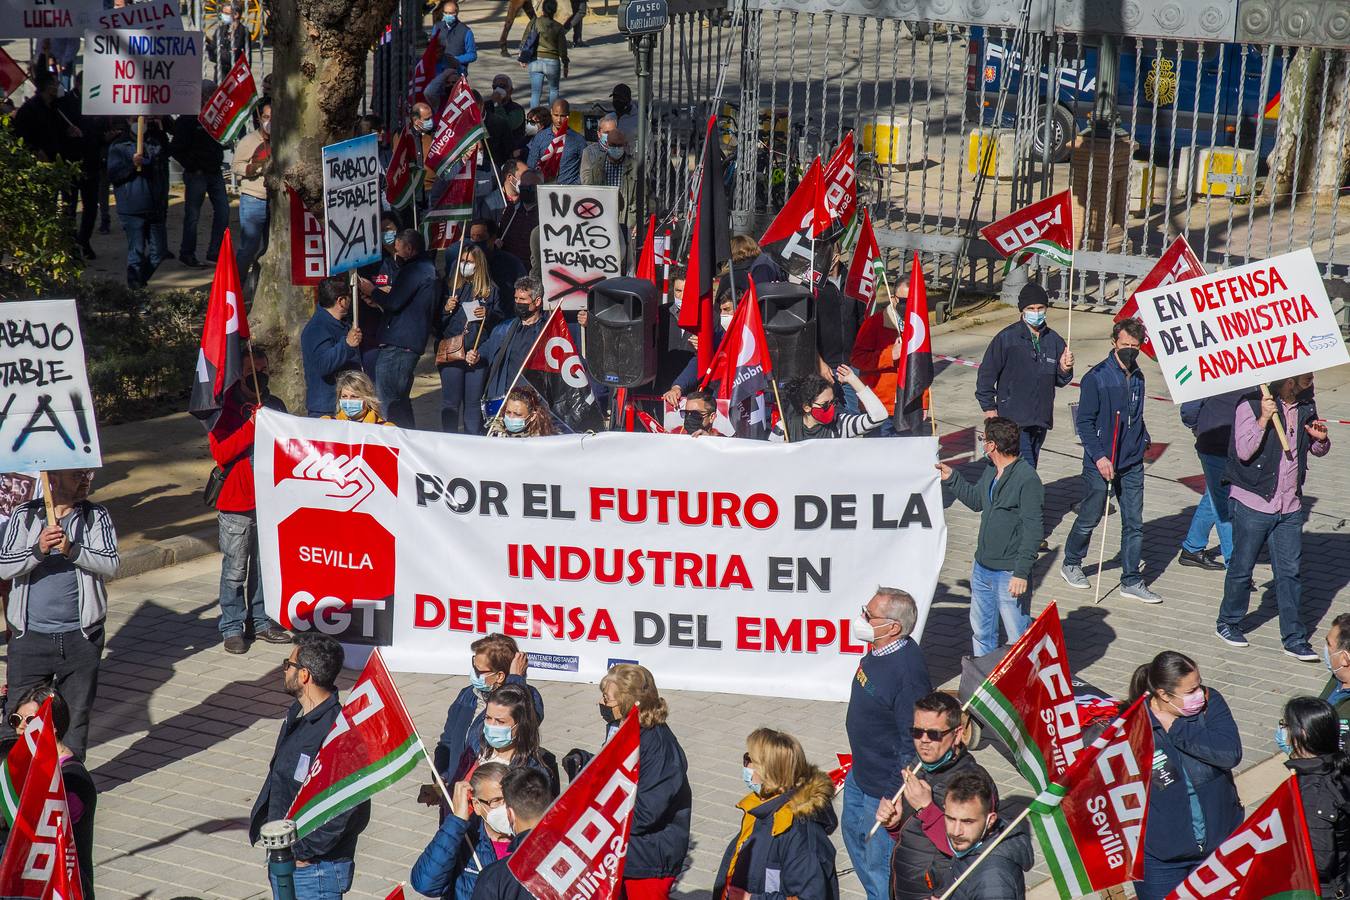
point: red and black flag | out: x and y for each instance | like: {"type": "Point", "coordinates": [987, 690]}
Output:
{"type": "Point", "coordinates": [710, 245]}
{"type": "Point", "coordinates": [555, 370]}
{"type": "Point", "coordinates": [915, 375]}
{"type": "Point", "coordinates": [743, 370]}
{"type": "Point", "coordinates": [220, 358]}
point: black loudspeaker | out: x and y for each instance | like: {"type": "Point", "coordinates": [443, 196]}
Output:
{"type": "Point", "coordinates": [621, 331]}
{"type": "Point", "coordinates": [789, 313]}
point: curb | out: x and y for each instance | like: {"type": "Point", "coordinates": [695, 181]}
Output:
{"type": "Point", "coordinates": [168, 552]}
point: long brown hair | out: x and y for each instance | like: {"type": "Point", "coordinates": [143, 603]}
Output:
{"type": "Point", "coordinates": [538, 423]}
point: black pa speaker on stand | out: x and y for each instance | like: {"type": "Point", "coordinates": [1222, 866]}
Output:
{"type": "Point", "coordinates": [621, 331]}
{"type": "Point", "coordinates": [789, 314]}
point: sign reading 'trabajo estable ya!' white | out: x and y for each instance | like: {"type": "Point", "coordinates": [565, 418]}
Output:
{"type": "Point", "coordinates": [1242, 327]}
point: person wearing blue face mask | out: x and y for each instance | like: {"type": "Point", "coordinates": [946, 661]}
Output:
{"type": "Point", "coordinates": [1336, 657]}
{"type": "Point", "coordinates": [915, 824]}
{"type": "Point", "coordinates": [356, 400]}
{"type": "Point", "coordinates": [1021, 369]}
{"type": "Point", "coordinates": [972, 823]}
{"type": "Point", "coordinates": [457, 42]}
{"type": "Point", "coordinates": [612, 163]}
{"type": "Point", "coordinates": [329, 345]}
{"type": "Point", "coordinates": [783, 847]}
{"type": "Point", "coordinates": [524, 415]}
{"type": "Point", "coordinates": [1310, 735]}
{"type": "Point", "coordinates": [497, 661]}
{"type": "Point", "coordinates": [511, 734]}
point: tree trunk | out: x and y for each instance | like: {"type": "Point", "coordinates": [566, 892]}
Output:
{"type": "Point", "coordinates": [1334, 135]}
{"type": "Point", "coordinates": [1294, 137]}
{"type": "Point", "coordinates": [318, 78]}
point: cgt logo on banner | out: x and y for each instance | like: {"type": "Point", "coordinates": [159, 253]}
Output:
{"type": "Point", "coordinates": [46, 407]}
{"type": "Point", "coordinates": [695, 557]}
{"type": "Point", "coordinates": [1243, 327]}
{"type": "Point", "coordinates": [337, 561]}
{"type": "Point", "coordinates": [579, 243]}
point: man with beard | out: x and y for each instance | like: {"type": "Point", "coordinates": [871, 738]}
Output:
{"type": "Point", "coordinates": [323, 858]}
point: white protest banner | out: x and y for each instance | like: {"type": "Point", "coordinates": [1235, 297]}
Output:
{"type": "Point", "coordinates": [579, 244]}
{"type": "Point", "coordinates": [47, 18]}
{"type": "Point", "coordinates": [351, 203]}
{"type": "Point", "coordinates": [72, 18]}
{"type": "Point", "coordinates": [1242, 327]}
{"type": "Point", "coordinates": [142, 73]}
{"type": "Point", "coordinates": [724, 565]}
{"type": "Point", "coordinates": [46, 407]}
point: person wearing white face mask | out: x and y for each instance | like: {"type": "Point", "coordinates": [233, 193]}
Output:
{"type": "Point", "coordinates": [527, 797]}
{"type": "Point", "coordinates": [475, 834]}
{"type": "Point", "coordinates": [891, 677]}
{"type": "Point", "coordinates": [1193, 802]}
{"type": "Point", "coordinates": [1021, 369]}
{"type": "Point", "coordinates": [612, 163]}
{"type": "Point", "coordinates": [224, 43]}
{"type": "Point", "coordinates": [1336, 656]}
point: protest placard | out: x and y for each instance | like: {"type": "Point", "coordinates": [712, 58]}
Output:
{"type": "Point", "coordinates": [142, 73]}
{"type": "Point", "coordinates": [72, 18]}
{"type": "Point", "coordinates": [579, 244]}
{"type": "Point", "coordinates": [708, 561]}
{"type": "Point", "coordinates": [1242, 327]}
{"type": "Point", "coordinates": [46, 407]}
{"type": "Point", "coordinates": [351, 203]}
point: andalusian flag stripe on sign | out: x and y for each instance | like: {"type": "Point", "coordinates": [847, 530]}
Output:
{"type": "Point", "coordinates": [358, 786]}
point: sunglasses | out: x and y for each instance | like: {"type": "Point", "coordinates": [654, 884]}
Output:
{"type": "Point", "coordinates": [15, 720]}
{"type": "Point", "coordinates": [933, 734]}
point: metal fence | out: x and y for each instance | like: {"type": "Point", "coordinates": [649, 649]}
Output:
{"type": "Point", "coordinates": [1202, 91]}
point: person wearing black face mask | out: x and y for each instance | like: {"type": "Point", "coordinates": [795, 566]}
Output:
{"type": "Point", "coordinates": [1111, 426]}
{"type": "Point", "coordinates": [664, 801]}
{"type": "Point", "coordinates": [232, 448]}
{"type": "Point", "coordinates": [521, 216]}
{"type": "Point", "coordinates": [813, 413]}
{"type": "Point", "coordinates": [699, 412]}
{"type": "Point", "coordinates": [507, 347]}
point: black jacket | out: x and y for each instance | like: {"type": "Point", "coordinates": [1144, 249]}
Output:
{"type": "Point", "coordinates": [79, 783]}
{"type": "Point", "coordinates": [1018, 378]}
{"type": "Point", "coordinates": [301, 736]}
{"type": "Point", "coordinates": [659, 840]}
{"type": "Point", "coordinates": [787, 851]}
{"type": "Point", "coordinates": [412, 305]}
{"type": "Point", "coordinates": [1002, 876]}
{"type": "Point", "coordinates": [194, 149]}
{"type": "Point", "coordinates": [1211, 421]}
{"type": "Point", "coordinates": [917, 866]}
{"type": "Point", "coordinates": [1261, 473]}
{"type": "Point", "coordinates": [1326, 807]}
{"type": "Point", "coordinates": [40, 127]}
{"type": "Point", "coordinates": [497, 882]}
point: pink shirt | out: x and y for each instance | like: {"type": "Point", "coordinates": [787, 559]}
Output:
{"type": "Point", "coordinates": [1246, 440]}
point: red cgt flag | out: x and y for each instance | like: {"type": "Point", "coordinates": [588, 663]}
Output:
{"type": "Point", "coordinates": [1044, 228]}
{"type": "Point", "coordinates": [1268, 856]}
{"type": "Point", "coordinates": [1178, 263]}
{"type": "Point", "coordinates": [578, 848]}
{"type": "Point", "coordinates": [1101, 802]}
{"type": "Point", "coordinates": [805, 210]}
{"type": "Point", "coordinates": [220, 356]}
{"type": "Point", "coordinates": [41, 839]}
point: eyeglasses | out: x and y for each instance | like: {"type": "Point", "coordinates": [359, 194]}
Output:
{"type": "Point", "coordinates": [15, 720]}
{"type": "Point", "coordinates": [933, 734]}
{"type": "Point", "coordinates": [291, 664]}
{"type": "Point", "coordinates": [490, 804]}
{"type": "Point", "coordinates": [821, 404]}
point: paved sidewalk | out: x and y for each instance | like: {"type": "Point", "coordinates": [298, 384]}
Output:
{"type": "Point", "coordinates": [182, 732]}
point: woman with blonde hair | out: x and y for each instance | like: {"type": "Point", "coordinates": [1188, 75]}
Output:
{"type": "Point", "coordinates": [356, 399]}
{"type": "Point", "coordinates": [783, 848]}
{"type": "Point", "coordinates": [523, 415]}
{"type": "Point", "coordinates": [659, 840]}
{"type": "Point", "coordinates": [749, 259]}
{"type": "Point", "coordinates": [470, 308]}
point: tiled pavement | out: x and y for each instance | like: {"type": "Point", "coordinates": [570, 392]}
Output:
{"type": "Point", "coordinates": [182, 731]}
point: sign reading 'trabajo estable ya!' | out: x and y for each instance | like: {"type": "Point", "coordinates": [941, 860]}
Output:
{"type": "Point", "coordinates": [1242, 327]}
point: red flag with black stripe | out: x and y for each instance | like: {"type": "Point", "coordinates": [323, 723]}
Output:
{"type": "Point", "coordinates": [710, 245]}
{"type": "Point", "coordinates": [915, 372]}
{"type": "Point", "coordinates": [220, 356]}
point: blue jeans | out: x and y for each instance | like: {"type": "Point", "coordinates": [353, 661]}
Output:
{"type": "Point", "coordinates": [394, 372]}
{"type": "Point", "coordinates": [1128, 486]}
{"type": "Point", "coordinates": [1161, 878]}
{"type": "Point", "coordinates": [253, 221]}
{"type": "Point", "coordinates": [1283, 534]}
{"type": "Point", "coordinates": [198, 186]}
{"type": "Point", "coordinates": [145, 247]}
{"type": "Point", "coordinates": [462, 391]}
{"type": "Point", "coordinates": [990, 601]}
{"type": "Point", "coordinates": [1030, 444]}
{"type": "Point", "coordinates": [240, 584]}
{"type": "Point", "coordinates": [544, 72]}
{"type": "Point", "coordinates": [1212, 512]}
{"type": "Point", "coordinates": [871, 859]}
{"type": "Point", "coordinates": [327, 879]}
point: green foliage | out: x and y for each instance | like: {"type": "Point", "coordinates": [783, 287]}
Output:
{"type": "Point", "coordinates": [37, 249]}
{"type": "Point", "coordinates": [141, 348]}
